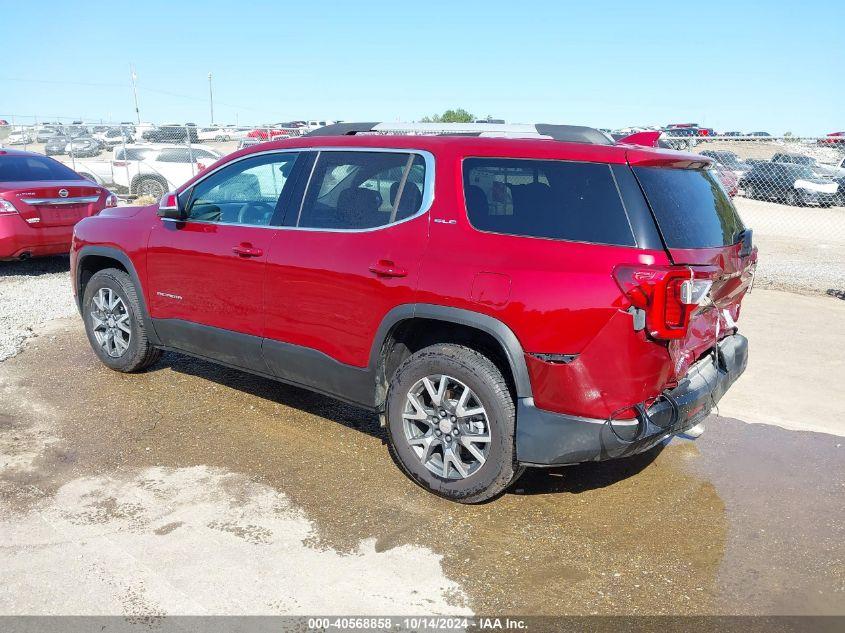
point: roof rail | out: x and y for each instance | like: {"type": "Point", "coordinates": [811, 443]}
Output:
{"type": "Point", "coordinates": [568, 133]}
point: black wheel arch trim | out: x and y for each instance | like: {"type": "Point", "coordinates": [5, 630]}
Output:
{"type": "Point", "coordinates": [124, 259]}
{"type": "Point", "coordinates": [483, 322]}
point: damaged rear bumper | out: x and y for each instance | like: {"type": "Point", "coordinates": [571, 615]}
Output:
{"type": "Point", "coordinates": [544, 438]}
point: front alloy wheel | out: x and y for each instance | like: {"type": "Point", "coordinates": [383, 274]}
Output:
{"type": "Point", "coordinates": [110, 322]}
{"type": "Point", "coordinates": [446, 426]}
{"type": "Point", "coordinates": [114, 324]}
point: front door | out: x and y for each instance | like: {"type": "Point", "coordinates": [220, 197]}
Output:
{"type": "Point", "coordinates": [206, 274]}
{"type": "Point", "coordinates": [349, 254]}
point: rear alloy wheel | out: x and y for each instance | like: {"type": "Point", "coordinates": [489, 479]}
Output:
{"type": "Point", "coordinates": [792, 198]}
{"type": "Point", "coordinates": [449, 433]}
{"type": "Point", "coordinates": [750, 191]}
{"type": "Point", "coordinates": [150, 187]}
{"type": "Point", "coordinates": [451, 423]}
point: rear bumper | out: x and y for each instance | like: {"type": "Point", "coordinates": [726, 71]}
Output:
{"type": "Point", "coordinates": [544, 438]}
{"type": "Point", "coordinates": [17, 238]}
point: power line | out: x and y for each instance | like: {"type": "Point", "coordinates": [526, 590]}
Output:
{"type": "Point", "coordinates": [111, 85]}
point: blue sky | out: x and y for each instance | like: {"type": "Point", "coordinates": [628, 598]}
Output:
{"type": "Point", "coordinates": [776, 66]}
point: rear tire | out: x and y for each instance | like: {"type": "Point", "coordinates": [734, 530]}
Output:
{"type": "Point", "coordinates": [460, 444]}
{"type": "Point", "coordinates": [154, 187]}
{"type": "Point", "coordinates": [114, 322]}
{"type": "Point", "coordinates": [792, 198]}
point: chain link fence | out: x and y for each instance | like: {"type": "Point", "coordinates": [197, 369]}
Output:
{"type": "Point", "coordinates": [139, 160]}
{"type": "Point", "coordinates": [790, 190]}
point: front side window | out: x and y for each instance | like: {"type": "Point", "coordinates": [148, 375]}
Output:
{"type": "Point", "coordinates": [362, 190]}
{"type": "Point", "coordinates": [546, 198]}
{"type": "Point", "coordinates": [245, 192]}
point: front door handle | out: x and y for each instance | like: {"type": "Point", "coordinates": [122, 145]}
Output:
{"type": "Point", "coordinates": [387, 268]}
{"type": "Point", "coordinates": [246, 249]}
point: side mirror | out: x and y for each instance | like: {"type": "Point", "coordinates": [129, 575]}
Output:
{"type": "Point", "coordinates": [170, 208]}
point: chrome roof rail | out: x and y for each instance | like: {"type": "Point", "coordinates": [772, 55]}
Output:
{"type": "Point", "coordinates": [568, 133]}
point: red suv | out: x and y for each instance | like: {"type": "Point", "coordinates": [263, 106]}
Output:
{"type": "Point", "coordinates": [40, 201]}
{"type": "Point", "coordinates": [501, 302]}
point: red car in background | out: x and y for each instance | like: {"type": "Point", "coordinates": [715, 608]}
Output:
{"type": "Point", "coordinates": [40, 201]}
{"type": "Point", "coordinates": [728, 179]}
{"type": "Point", "coordinates": [834, 138]}
{"type": "Point", "coordinates": [268, 134]}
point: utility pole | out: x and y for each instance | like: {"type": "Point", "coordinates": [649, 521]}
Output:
{"type": "Point", "coordinates": [210, 99]}
{"type": "Point", "coordinates": [134, 78]}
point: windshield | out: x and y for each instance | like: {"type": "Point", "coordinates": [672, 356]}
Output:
{"type": "Point", "coordinates": [34, 168]}
{"type": "Point", "coordinates": [690, 206]}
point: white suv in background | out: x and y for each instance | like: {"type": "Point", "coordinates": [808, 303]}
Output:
{"type": "Point", "coordinates": [215, 133]}
{"type": "Point", "coordinates": [153, 169]}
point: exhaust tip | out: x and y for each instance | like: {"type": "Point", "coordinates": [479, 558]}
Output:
{"type": "Point", "coordinates": [25, 256]}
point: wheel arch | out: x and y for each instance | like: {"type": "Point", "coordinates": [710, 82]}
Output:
{"type": "Point", "coordinates": [92, 259]}
{"type": "Point", "coordinates": [484, 333]}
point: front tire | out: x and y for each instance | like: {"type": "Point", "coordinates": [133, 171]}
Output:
{"type": "Point", "coordinates": [451, 421]}
{"type": "Point", "coordinates": [114, 322]}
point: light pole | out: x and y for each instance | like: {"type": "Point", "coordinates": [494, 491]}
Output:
{"type": "Point", "coordinates": [211, 98]}
{"type": "Point", "coordinates": [134, 78]}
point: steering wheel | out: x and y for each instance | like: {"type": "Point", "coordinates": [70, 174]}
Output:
{"type": "Point", "coordinates": [255, 207]}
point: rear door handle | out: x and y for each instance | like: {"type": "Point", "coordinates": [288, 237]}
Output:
{"type": "Point", "coordinates": [247, 250]}
{"type": "Point", "coordinates": [387, 268]}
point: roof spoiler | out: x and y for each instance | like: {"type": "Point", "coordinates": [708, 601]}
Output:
{"type": "Point", "coordinates": [646, 139]}
{"type": "Point", "coordinates": [567, 133]}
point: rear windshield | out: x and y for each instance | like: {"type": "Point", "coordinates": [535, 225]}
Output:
{"type": "Point", "coordinates": [691, 207]}
{"type": "Point", "coordinates": [546, 198]}
{"type": "Point", "coordinates": [26, 168]}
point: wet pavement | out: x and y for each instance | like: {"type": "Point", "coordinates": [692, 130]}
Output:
{"type": "Point", "coordinates": [748, 519]}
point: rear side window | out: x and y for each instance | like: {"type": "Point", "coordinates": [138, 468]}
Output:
{"type": "Point", "coordinates": [362, 190]}
{"type": "Point", "coordinates": [691, 207]}
{"type": "Point", "coordinates": [24, 168]}
{"type": "Point", "coordinates": [134, 153]}
{"type": "Point", "coordinates": [546, 198]}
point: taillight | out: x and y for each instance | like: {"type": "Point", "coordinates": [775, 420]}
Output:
{"type": "Point", "coordinates": [7, 208]}
{"type": "Point", "coordinates": [668, 294]}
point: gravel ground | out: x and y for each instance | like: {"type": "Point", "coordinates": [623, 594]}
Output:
{"type": "Point", "coordinates": [801, 249]}
{"type": "Point", "coordinates": [31, 293]}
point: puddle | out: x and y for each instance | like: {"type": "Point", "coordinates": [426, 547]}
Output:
{"type": "Point", "coordinates": [674, 531]}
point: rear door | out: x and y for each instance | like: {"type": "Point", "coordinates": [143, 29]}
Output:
{"type": "Point", "coordinates": [701, 228]}
{"type": "Point", "coordinates": [206, 274]}
{"type": "Point", "coordinates": [349, 254]}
